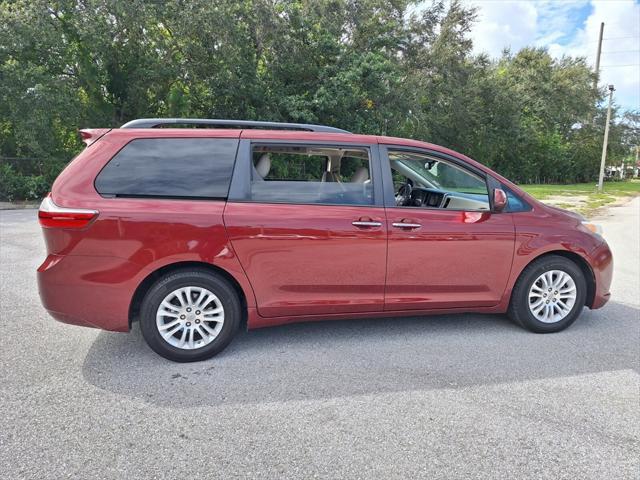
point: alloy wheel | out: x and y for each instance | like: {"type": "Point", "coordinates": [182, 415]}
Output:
{"type": "Point", "coordinates": [552, 296]}
{"type": "Point", "coordinates": [190, 317]}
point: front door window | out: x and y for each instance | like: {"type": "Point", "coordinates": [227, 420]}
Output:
{"type": "Point", "coordinates": [424, 181]}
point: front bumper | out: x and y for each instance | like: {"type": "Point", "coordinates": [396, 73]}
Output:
{"type": "Point", "coordinates": [601, 261]}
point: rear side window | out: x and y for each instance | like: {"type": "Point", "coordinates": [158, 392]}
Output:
{"type": "Point", "coordinates": [311, 174]}
{"type": "Point", "coordinates": [170, 167]}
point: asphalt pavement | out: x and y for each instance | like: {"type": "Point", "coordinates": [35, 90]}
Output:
{"type": "Point", "coordinates": [458, 396]}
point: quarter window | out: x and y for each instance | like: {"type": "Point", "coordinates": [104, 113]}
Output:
{"type": "Point", "coordinates": [170, 167]}
{"type": "Point", "coordinates": [515, 203]}
{"type": "Point", "coordinates": [311, 174]}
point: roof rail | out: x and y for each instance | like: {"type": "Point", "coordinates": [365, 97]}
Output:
{"type": "Point", "coordinates": [156, 122]}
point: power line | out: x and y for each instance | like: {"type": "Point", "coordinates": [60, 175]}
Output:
{"type": "Point", "coordinates": [622, 51]}
{"type": "Point", "coordinates": [624, 65]}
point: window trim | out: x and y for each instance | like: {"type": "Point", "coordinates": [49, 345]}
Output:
{"type": "Point", "coordinates": [240, 189]}
{"type": "Point", "coordinates": [389, 193]}
{"type": "Point", "coordinates": [167, 197]}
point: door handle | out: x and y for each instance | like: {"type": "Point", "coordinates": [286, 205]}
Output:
{"type": "Point", "coordinates": [366, 223]}
{"type": "Point", "coordinates": [406, 225]}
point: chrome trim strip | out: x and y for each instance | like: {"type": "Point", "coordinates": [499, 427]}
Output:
{"type": "Point", "coordinates": [406, 225]}
{"type": "Point", "coordinates": [366, 224]}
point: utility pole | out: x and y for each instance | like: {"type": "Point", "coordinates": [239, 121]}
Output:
{"type": "Point", "coordinates": [596, 75]}
{"type": "Point", "coordinates": [597, 72]}
{"type": "Point", "coordinates": [604, 143]}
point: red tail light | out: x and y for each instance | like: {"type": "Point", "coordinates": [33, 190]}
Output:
{"type": "Point", "coordinates": [53, 216]}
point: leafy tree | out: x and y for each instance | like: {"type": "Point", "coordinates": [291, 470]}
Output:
{"type": "Point", "coordinates": [389, 67]}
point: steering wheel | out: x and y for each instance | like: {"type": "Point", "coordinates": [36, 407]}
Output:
{"type": "Point", "coordinates": [403, 197]}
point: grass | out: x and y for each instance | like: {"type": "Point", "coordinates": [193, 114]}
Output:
{"type": "Point", "coordinates": [583, 197]}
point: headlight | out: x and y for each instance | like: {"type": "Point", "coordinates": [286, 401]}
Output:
{"type": "Point", "coordinates": [595, 228]}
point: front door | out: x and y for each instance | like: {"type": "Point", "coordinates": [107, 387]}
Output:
{"type": "Point", "coordinates": [446, 248]}
{"type": "Point", "coordinates": [308, 226]}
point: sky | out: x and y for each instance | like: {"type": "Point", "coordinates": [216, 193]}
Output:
{"type": "Point", "coordinates": [568, 27]}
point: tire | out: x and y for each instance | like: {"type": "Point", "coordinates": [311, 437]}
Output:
{"type": "Point", "coordinates": [193, 338]}
{"type": "Point", "coordinates": [553, 266]}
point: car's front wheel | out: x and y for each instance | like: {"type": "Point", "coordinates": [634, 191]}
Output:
{"type": "Point", "coordinates": [549, 295]}
{"type": "Point", "coordinates": [190, 315]}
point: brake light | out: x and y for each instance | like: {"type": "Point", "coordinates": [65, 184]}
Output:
{"type": "Point", "coordinates": [51, 215]}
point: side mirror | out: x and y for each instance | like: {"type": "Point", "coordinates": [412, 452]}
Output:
{"type": "Point", "coordinates": [499, 200]}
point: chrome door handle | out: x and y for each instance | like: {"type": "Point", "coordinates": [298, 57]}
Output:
{"type": "Point", "coordinates": [406, 225]}
{"type": "Point", "coordinates": [361, 223]}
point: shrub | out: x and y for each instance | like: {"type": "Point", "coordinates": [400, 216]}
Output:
{"type": "Point", "coordinates": [16, 186]}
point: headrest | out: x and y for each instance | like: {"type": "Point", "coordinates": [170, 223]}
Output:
{"type": "Point", "coordinates": [263, 165]}
{"type": "Point", "coordinates": [361, 175]}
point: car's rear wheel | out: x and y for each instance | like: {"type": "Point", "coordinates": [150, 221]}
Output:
{"type": "Point", "coordinates": [549, 295]}
{"type": "Point", "coordinates": [190, 315]}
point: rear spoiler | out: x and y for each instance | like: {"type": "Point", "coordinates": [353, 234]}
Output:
{"type": "Point", "coordinates": [90, 135]}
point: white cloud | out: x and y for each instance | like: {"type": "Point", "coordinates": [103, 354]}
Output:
{"type": "Point", "coordinates": [566, 29]}
{"type": "Point", "coordinates": [507, 24]}
{"type": "Point", "coordinates": [620, 59]}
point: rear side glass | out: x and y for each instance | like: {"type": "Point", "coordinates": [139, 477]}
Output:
{"type": "Point", "coordinates": [170, 167]}
{"type": "Point", "coordinates": [318, 174]}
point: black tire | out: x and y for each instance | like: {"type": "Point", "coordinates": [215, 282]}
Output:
{"type": "Point", "coordinates": [519, 310]}
{"type": "Point", "coordinates": [217, 285]}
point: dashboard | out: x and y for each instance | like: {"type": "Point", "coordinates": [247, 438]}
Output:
{"type": "Point", "coordinates": [431, 198]}
{"type": "Point", "coordinates": [422, 197]}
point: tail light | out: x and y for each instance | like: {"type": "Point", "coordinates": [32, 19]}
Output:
{"type": "Point", "coordinates": [51, 215]}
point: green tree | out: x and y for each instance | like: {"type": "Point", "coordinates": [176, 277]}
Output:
{"type": "Point", "coordinates": [373, 66]}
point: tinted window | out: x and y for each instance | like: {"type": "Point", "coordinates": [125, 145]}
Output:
{"type": "Point", "coordinates": [313, 174]}
{"type": "Point", "coordinates": [170, 167]}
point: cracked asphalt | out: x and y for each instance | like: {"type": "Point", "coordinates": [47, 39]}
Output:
{"type": "Point", "coordinates": [458, 396]}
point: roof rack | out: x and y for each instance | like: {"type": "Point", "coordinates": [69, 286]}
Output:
{"type": "Point", "coordinates": [156, 122]}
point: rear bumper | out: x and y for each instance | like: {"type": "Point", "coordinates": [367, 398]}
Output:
{"type": "Point", "coordinates": [602, 265]}
{"type": "Point", "coordinates": [89, 291]}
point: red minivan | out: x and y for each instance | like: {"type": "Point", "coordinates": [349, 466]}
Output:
{"type": "Point", "coordinates": [194, 232]}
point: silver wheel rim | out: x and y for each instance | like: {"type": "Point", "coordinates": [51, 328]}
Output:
{"type": "Point", "coordinates": [552, 296]}
{"type": "Point", "coordinates": [190, 318]}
